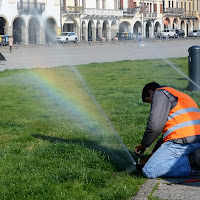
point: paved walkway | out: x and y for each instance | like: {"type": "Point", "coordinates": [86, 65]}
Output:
{"type": "Point", "coordinates": [53, 56]}
{"type": "Point", "coordinates": [160, 190]}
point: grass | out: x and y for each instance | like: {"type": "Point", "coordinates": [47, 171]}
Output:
{"type": "Point", "coordinates": [54, 141]}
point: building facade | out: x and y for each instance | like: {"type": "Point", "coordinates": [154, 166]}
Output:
{"type": "Point", "coordinates": [104, 18]}
{"type": "Point", "coordinates": [30, 21]}
{"type": "Point", "coordinates": [91, 19]}
{"type": "Point", "coordinates": [39, 21]}
{"type": "Point", "coordinates": [141, 16]}
{"type": "Point", "coordinates": [181, 14]}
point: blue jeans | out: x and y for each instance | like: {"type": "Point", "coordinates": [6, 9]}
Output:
{"type": "Point", "coordinates": [170, 160]}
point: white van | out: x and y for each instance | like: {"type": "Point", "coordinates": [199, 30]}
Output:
{"type": "Point", "coordinates": [169, 33]}
{"type": "Point", "coordinates": [67, 37]}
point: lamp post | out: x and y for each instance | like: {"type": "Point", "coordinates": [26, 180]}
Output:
{"type": "Point", "coordinates": [188, 22]}
{"type": "Point", "coordinates": [61, 16]}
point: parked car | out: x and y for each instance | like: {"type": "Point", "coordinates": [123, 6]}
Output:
{"type": "Point", "coordinates": [67, 37]}
{"type": "Point", "coordinates": [194, 33]}
{"type": "Point", "coordinates": [168, 33]}
{"type": "Point", "coordinates": [180, 33]}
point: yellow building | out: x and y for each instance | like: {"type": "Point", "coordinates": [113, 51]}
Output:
{"type": "Point", "coordinates": [181, 14]}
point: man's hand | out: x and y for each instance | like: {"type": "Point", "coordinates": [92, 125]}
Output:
{"type": "Point", "coordinates": [139, 150]}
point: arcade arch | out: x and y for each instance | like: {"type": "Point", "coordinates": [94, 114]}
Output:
{"type": "Point", "coordinates": [18, 25]}
{"type": "Point", "coordinates": [91, 30]}
{"type": "Point", "coordinates": [33, 30]}
{"type": "Point", "coordinates": [50, 30]}
{"type": "Point", "coordinates": [105, 30]}
{"type": "Point", "coordinates": [175, 24]}
{"type": "Point", "coordinates": [148, 32]}
{"type": "Point", "coordinates": [125, 27]}
{"type": "Point", "coordinates": [114, 29]}
{"type": "Point", "coordinates": [166, 23]}
{"type": "Point", "coordinates": [137, 28]}
{"type": "Point", "coordinates": [182, 27]}
{"type": "Point", "coordinates": [3, 26]}
{"type": "Point", "coordinates": [157, 27]}
{"type": "Point", "coordinates": [70, 25]}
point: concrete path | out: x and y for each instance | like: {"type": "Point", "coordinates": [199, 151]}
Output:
{"type": "Point", "coordinates": [53, 56]}
{"type": "Point", "coordinates": [160, 190]}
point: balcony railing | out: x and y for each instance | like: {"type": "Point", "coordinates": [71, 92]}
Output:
{"type": "Point", "coordinates": [173, 11]}
{"type": "Point", "coordinates": [30, 7]}
{"type": "Point", "coordinates": [103, 12]}
{"type": "Point", "coordinates": [128, 11]}
{"type": "Point", "coordinates": [72, 10]}
{"type": "Point", "coordinates": [189, 14]}
{"type": "Point", "coordinates": [149, 15]}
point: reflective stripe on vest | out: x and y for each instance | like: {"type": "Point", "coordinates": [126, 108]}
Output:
{"type": "Point", "coordinates": [181, 125]}
{"type": "Point", "coordinates": [183, 111]}
{"type": "Point", "coordinates": [184, 118]}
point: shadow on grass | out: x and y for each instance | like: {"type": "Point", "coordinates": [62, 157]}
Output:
{"type": "Point", "coordinates": [119, 158]}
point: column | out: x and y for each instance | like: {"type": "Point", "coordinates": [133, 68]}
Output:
{"type": "Point", "coordinates": [108, 33]}
{"type": "Point", "coordinates": [24, 34]}
{"type": "Point", "coordinates": [85, 32]}
{"type": "Point", "coordinates": [9, 30]}
{"type": "Point", "coordinates": [41, 35]}
{"type": "Point", "coordinates": [93, 32]}
{"type": "Point", "coordinates": [100, 31]}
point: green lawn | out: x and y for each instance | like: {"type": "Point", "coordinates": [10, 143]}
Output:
{"type": "Point", "coordinates": [61, 134]}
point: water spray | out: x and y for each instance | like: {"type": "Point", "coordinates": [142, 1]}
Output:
{"type": "Point", "coordinates": [129, 168]}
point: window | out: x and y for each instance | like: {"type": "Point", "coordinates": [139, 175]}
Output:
{"type": "Point", "coordinates": [189, 6]}
{"type": "Point", "coordinates": [177, 4]}
{"type": "Point", "coordinates": [169, 4]}
{"type": "Point", "coordinates": [172, 4]}
{"type": "Point", "coordinates": [155, 8]}
{"type": "Point", "coordinates": [161, 8]}
{"type": "Point", "coordinates": [182, 5]}
{"type": "Point", "coordinates": [121, 4]}
{"type": "Point", "coordinates": [185, 6]}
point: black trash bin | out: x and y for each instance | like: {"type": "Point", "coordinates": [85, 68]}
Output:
{"type": "Point", "coordinates": [194, 67]}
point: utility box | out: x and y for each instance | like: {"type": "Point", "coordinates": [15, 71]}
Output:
{"type": "Point", "coordinates": [194, 68]}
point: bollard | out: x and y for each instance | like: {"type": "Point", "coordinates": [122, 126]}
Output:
{"type": "Point", "coordinates": [194, 67]}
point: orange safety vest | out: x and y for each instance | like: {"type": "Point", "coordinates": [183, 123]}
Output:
{"type": "Point", "coordinates": [184, 118]}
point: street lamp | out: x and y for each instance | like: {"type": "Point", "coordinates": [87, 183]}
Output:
{"type": "Point", "coordinates": [61, 15]}
{"type": "Point", "coordinates": [188, 22]}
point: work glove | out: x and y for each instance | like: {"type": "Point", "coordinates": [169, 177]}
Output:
{"type": "Point", "coordinates": [139, 150]}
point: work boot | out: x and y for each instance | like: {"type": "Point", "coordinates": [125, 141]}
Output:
{"type": "Point", "coordinates": [194, 159]}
